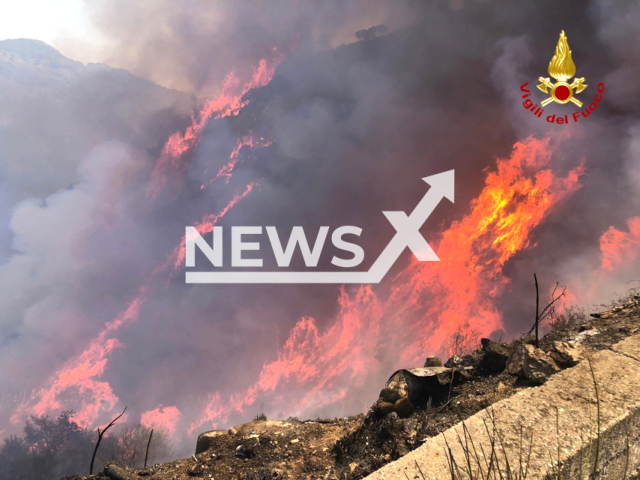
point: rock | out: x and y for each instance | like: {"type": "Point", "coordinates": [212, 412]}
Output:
{"type": "Point", "coordinates": [393, 416]}
{"type": "Point", "coordinates": [495, 355]}
{"type": "Point", "coordinates": [249, 445]}
{"type": "Point", "coordinates": [402, 449]}
{"type": "Point", "coordinates": [403, 408]}
{"type": "Point", "coordinates": [583, 335]}
{"type": "Point", "coordinates": [433, 362]}
{"type": "Point", "coordinates": [515, 362]}
{"type": "Point", "coordinates": [538, 365]}
{"type": "Point", "coordinates": [397, 387]}
{"type": "Point", "coordinates": [383, 408]}
{"type": "Point", "coordinates": [454, 361]}
{"type": "Point", "coordinates": [239, 451]}
{"type": "Point", "coordinates": [565, 355]}
{"type": "Point", "coordinates": [116, 473]}
{"type": "Point", "coordinates": [206, 439]}
{"type": "Point", "coordinates": [232, 431]}
{"type": "Point", "coordinates": [196, 470]}
{"type": "Point", "coordinates": [531, 363]}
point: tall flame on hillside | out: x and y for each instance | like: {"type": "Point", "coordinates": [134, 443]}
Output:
{"type": "Point", "coordinates": [561, 66]}
{"type": "Point", "coordinates": [228, 103]}
{"type": "Point", "coordinates": [429, 302]}
{"type": "Point", "coordinates": [164, 418]}
{"type": "Point", "coordinates": [82, 374]}
{"type": "Point", "coordinates": [619, 247]}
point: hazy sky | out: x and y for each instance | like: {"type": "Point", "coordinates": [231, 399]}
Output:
{"type": "Point", "coordinates": [52, 21]}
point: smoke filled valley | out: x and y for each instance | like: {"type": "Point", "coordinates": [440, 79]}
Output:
{"type": "Point", "coordinates": [326, 114]}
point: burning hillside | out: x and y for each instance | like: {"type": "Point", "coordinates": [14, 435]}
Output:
{"type": "Point", "coordinates": [291, 118]}
{"type": "Point", "coordinates": [437, 398]}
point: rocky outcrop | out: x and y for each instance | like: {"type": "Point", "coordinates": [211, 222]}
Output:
{"type": "Point", "coordinates": [206, 439]}
{"type": "Point", "coordinates": [562, 404]}
{"type": "Point", "coordinates": [531, 363]}
{"type": "Point", "coordinates": [566, 355]}
{"type": "Point", "coordinates": [433, 362]}
{"type": "Point", "coordinates": [113, 472]}
{"type": "Point", "coordinates": [538, 365]}
{"type": "Point", "coordinates": [495, 355]}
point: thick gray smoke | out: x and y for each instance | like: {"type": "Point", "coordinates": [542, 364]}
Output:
{"type": "Point", "coordinates": [193, 45]}
{"type": "Point", "coordinates": [355, 127]}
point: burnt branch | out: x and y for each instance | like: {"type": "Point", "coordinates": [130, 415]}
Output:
{"type": "Point", "coordinates": [550, 309]}
{"type": "Point", "coordinates": [100, 435]}
{"type": "Point", "coordinates": [146, 455]}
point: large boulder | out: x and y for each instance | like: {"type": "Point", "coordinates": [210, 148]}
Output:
{"type": "Point", "coordinates": [206, 439]}
{"type": "Point", "coordinates": [531, 363]}
{"type": "Point", "coordinates": [566, 355]}
{"type": "Point", "coordinates": [495, 355]}
{"type": "Point", "coordinates": [517, 356]}
{"type": "Point", "coordinates": [433, 362]}
{"type": "Point", "coordinates": [539, 366]}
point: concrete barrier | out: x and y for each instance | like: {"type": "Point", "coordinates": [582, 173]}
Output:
{"type": "Point", "coordinates": [569, 397]}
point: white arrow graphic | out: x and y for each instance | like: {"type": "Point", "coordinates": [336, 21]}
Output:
{"type": "Point", "coordinates": [407, 235]}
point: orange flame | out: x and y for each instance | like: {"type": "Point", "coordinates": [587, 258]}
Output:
{"type": "Point", "coordinates": [82, 373]}
{"type": "Point", "coordinates": [618, 251]}
{"type": "Point", "coordinates": [165, 418]}
{"type": "Point", "coordinates": [204, 226]}
{"type": "Point", "coordinates": [227, 170]}
{"type": "Point", "coordinates": [228, 103]}
{"type": "Point", "coordinates": [620, 247]}
{"type": "Point", "coordinates": [428, 301]}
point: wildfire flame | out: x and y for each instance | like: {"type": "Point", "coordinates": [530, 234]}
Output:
{"type": "Point", "coordinates": [81, 374]}
{"type": "Point", "coordinates": [164, 418]}
{"type": "Point", "coordinates": [226, 171]}
{"type": "Point", "coordinates": [428, 302]}
{"type": "Point", "coordinates": [561, 66]}
{"type": "Point", "coordinates": [228, 103]}
{"type": "Point", "coordinates": [620, 247]}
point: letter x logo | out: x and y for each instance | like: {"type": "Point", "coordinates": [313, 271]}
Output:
{"type": "Point", "coordinates": [407, 235]}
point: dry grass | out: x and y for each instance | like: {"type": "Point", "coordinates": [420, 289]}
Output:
{"type": "Point", "coordinates": [497, 464]}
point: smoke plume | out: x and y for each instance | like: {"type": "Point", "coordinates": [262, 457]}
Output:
{"type": "Point", "coordinates": [288, 120]}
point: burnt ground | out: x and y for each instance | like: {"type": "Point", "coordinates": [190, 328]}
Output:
{"type": "Point", "coordinates": [354, 447]}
